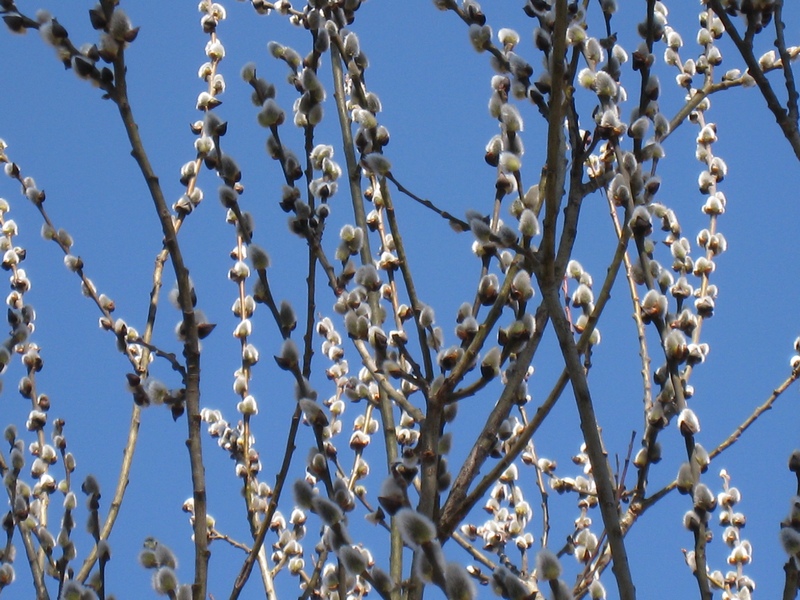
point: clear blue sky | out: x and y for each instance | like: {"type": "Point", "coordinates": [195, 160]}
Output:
{"type": "Point", "coordinates": [434, 90]}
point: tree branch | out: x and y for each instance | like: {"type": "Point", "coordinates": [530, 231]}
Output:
{"type": "Point", "coordinates": [785, 122]}
{"type": "Point", "coordinates": [601, 470]}
{"type": "Point", "coordinates": [191, 345]}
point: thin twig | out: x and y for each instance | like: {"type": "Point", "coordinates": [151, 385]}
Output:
{"type": "Point", "coordinates": [454, 221]}
{"type": "Point", "coordinates": [191, 345]}
{"type": "Point", "coordinates": [609, 508]}
{"type": "Point", "coordinates": [788, 72]}
{"type": "Point", "coordinates": [280, 481]}
{"type": "Point", "coordinates": [761, 409]}
{"type": "Point", "coordinates": [788, 126]}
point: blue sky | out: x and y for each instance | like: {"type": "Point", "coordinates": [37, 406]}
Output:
{"type": "Point", "coordinates": [434, 89]}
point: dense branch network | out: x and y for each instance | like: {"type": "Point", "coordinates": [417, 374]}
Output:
{"type": "Point", "coordinates": [362, 304]}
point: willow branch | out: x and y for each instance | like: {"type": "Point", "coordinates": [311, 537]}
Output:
{"type": "Point", "coordinates": [191, 345]}
{"type": "Point", "coordinates": [785, 122]}
{"type": "Point", "coordinates": [280, 481]}
{"type": "Point", "coordinates": [606, 493]}
{"type": "Point", "coordinates": [788, 72]}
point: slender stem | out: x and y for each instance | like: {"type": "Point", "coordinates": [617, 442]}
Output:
{"type": "Point", "coordinates": [792, 580]}
{"type": "Point", "coordinates": [280, 481]}
{"type": "Point", "coordinates": [408, 280]}
{"type": "Point", "coordinates": [354, 180]}
{"type": "Point", "coordinates": [764, 407]}
{"type": "Point", "coordinates": [458, 502]}
{"type": "Point", "coordinates": [455, 222]}
{"type": "Point", "coordinates": [645, 68]}
{"type": "Point", "coordinates": [191, 345]}
{"type": "Point", "coordinates": [36, 568]}
{"type": "Point", "coordinates": [553, 172]}
{"type": "Point", "coordinates": [119, 492]}
{"type": "Point", "coordinates": [130, 445]}
{"type": "Point", "coordinates": [788, 126]}
{"type": "Point", "coordinates": [604, 480]}
{"type": "Point", "coordinates": [353, 170]}
{"type": "Point", "coordinates": [788, 72]}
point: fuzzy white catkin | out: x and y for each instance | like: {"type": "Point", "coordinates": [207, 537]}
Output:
{"type": "Point", "coordinates": [415, 528]}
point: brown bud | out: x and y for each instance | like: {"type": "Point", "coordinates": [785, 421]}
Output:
{"type": "Point", "coordinates": [794, 461]}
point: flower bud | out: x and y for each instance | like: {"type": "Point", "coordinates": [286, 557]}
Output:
{"type": "Point", "coordinates": [480, 36]}
{"type": "Point", "coordinates": [794, 458]}
{"type": "Point", "coordinates": [165, 581]}
{"type": "Point", "coordinates": [688, 422]}
{"type": "Point", "coordinates": [547, 565]}
{"type": "Point", "coordinates": [377, 163]}
{"type": "Point", "coordinates": [704, 499]}
{"type": "Point", "coordinates": [271, 114]}
{"type": "Point", "coordinates": [353, 559]}
{"type": "Point", "coordinates": [248, 406]}
{"type": "Point", "coordinates": [528, 223]}
{"type": "Point", "coordinates": [289, 357]}
{"type": "Point", "coordinates": [458, 583]}
{"type": "Point", "coordinates": [328, 511]}
{"type": "Point", "coordinates": [415, 528]}
{"type": "Point", "coordinates": [790, 540]}
{"type": "Point", "coordinates": [685, 480]}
